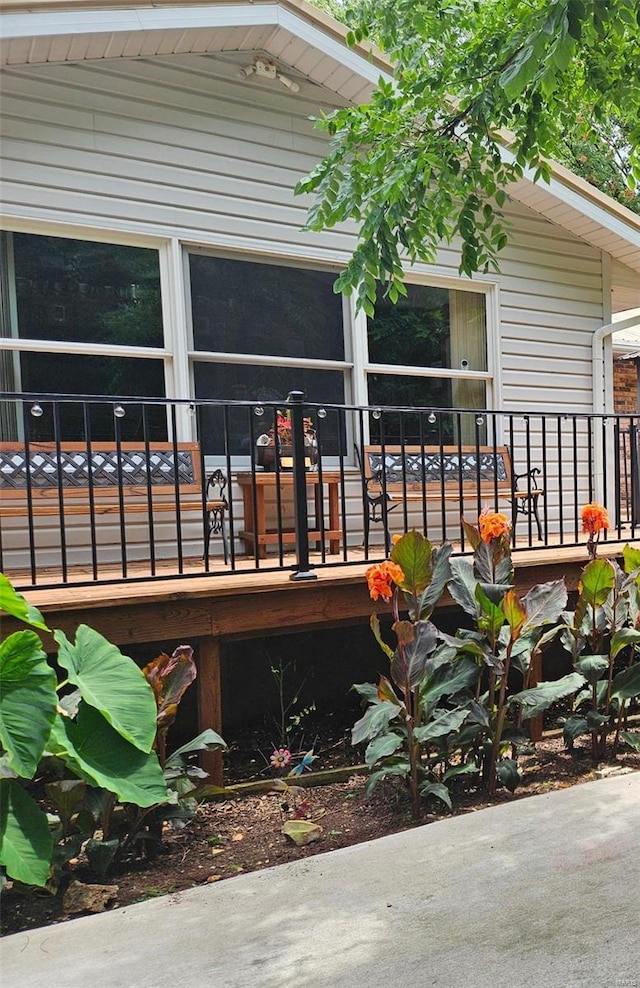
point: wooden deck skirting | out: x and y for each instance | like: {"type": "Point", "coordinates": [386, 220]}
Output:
{"type": "Point", "coordinates": [206, 613]}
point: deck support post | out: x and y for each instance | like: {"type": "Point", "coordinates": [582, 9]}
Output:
{"type": "Point", "coordinates": [210, 702]}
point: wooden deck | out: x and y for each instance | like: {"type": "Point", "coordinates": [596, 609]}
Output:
{"type": "Point", "coordinates": [207, 610]}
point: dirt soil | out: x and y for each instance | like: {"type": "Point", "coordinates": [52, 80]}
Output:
{"type": "Point", "coordinates": [245, 833]}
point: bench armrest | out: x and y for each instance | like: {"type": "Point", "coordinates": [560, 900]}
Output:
{"type": "Point", "coordinates": [532, 483]}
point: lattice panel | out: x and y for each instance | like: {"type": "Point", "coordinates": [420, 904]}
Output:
{"type": "Point", "coordinates": [430, 468]}
{"type": "Point", "coordinates": [130, 469]}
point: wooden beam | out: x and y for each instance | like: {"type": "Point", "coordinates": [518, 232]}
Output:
{"type": "Point", "coordinates": [208, 662]}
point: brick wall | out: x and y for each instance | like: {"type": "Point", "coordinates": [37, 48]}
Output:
{"type": "Point", "coordinates": [625, 387]}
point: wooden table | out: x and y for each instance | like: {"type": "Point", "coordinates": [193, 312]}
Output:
{"type": "Point", "coordinates": [254, 488]}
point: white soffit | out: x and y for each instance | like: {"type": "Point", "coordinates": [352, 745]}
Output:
{"type": "Point", "coordinates": [44, 36]}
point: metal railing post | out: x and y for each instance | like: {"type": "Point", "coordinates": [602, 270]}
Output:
{"type": "Point", "coordinates": [302, 570]}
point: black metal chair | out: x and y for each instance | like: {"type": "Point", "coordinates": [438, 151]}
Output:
{"type": "Point", "coordinates": [216, 507]}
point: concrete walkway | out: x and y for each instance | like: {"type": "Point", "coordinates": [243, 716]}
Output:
{"type": "Point", "coordinates": [539, 893]}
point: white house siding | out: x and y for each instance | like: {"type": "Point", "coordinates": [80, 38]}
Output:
{"type": "Point", "coordinates": [179, 146]}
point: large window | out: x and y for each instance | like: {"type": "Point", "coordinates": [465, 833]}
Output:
{"type": "Point", "coordinates": [260, 331]}
{"type": "Point", "coordinates": [82, 311]}
{"type": "Point", "coordinates": [428, 350]}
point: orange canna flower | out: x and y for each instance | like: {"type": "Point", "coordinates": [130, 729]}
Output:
{"type": "Point", "coordinates": [493, 525]}
{"type": "Point", "coordinates": [381, 576]}
{"type": "Point", "coordinates": [594, 518]}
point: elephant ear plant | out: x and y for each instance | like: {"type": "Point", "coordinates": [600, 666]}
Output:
{"type": "Point", "coordinates": [100, 738]}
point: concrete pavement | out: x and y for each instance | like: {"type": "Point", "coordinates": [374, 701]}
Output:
{"type": "Point", "coordinates": [539, 893]}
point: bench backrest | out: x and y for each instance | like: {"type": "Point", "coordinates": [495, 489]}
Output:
{"type": "Point", "coordinates": [107, 468]}
{"type": "Point", "coordinates": [418, 468]}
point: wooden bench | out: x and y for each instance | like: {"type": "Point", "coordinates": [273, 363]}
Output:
{"type": "Point", "coordinates": [108, 479]}
{"type": "Point", "coordinates": [399, 474]}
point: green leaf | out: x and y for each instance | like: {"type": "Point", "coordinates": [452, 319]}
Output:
{"type": "Point", "coordinates": [367, 690]}
{"type": "Point", "coordinates": [27, 700]}
{"type": "Point", "coordinates": [13, 603]}
{"type": "Point", "coordinates": [410, 661]}
{"type": "Point", "coordinates": [101, 756]}
{"type": "Point", "coordinates": [413, 554]}
{"type": "Point", "coordinates": [622, 638]}
{"type": "Point", "coordinates": [375, 627]}
{"type": "Point", "coordinates": [631, 558]}
{"type": "Point", "coordinates": [491, 618]}
{"type": "Point", "coordinates": [444, 722]}
{"type": "Point", "coordinates": [462, 585]}
{"type": "Point", "coordinates": [507, 773]}
{"type": "Point", "coordinates": [206, 741]}
{"type": "Point", "coordinates": [598, 581]}
{"type": "Point", "coordinates": [573, 728]}
{"type": "Point", "coordinates": [632, 738]}
{"type": "Point", "coordinates": [514, 612]}
{"type": "Point", "coordinates": [381, 747]}
{"type": "Point", "coordinates": [468, 768]}
{"type": "Point", "coordinates": [438, 790]}
{"type": "Point", "coordinates": [26, 843]}
{"type": "Point", "coordinates": [592, 667]}
{"type": "Point", "coordinates": [375, 721]}
{"type": "Point", "coordinates": [101, 855]}
{"type": "Point", "coordinates": [441, 572]}
{"type": "Point", "coordinates": [112, 683]}
{"type": "Point", "coordinates": [626, 684]}
{"type": "Point", "coordinates": [537, 699]}
{"type": "Point", "coordinates": [449, 680]}
{"type": "Point", "coordinates": [544, 604]}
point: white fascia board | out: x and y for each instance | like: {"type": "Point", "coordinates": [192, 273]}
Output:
{"type": "Point", "coordinates": [581, 203]}
{"type": "Point", "coordinates": [331, 46]}
{"type": "Point", "coordinates": [113, 21]}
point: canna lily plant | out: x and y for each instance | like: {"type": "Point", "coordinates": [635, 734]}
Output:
{"type": "Point", "coordinates": [413, 706]}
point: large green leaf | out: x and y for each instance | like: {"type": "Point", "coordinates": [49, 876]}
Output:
{"type": "Point", "coordinates": [410, 661]}
{"type": "Point", "coordinates": [514, 612]}
{"type": "Point", "coordinates": [598, 580]}
{"type": "Point", "coordinates": [441, 572]}
{"type": "Point", "coordinates": [631, 558]}
{"type": "Point", "coordinates": [573, 728]}
{"type": "Point", "coordinates": [13, 603]}
{"type": "Point", "coordinates": [438, 790]}
{"type": "Point", "coordinates": [206, 741]}
{"type": "Point", "coordinates": [101, 756]}
{"type": "Point", "coordinates": [381, 747]}
{"type": "Point", "coordinates": [507, 773]}
{"type": "Point", "coordinates": [462, 585]}
{"type": "Point", "coordinates": [592, 667]}
{"type": "Point", "coordinates": [449, 680]}
{"type": "Point", "coordinates": [536, 700]}
{"type": "Point", "coordinates": [401, 768]}
{"type": "Point", "coordinates": [632, 738]}
{"type": "Point", "coordinates": [375, 721]}
{"type": "Point", "coordinates": [622, 638]}
{"type": "Point", "coordinates": [413, 554]}
{"type": "Point", "coordinates": [491, 617]}
{"type": "Point", "coordinates": [112, 683]}
{"type": "Point", "coordinates": [26, 843]}
{"type": "Point", "coordinates": [444, 722]}
{"type": "Point", "coordinates": [627, 683]}
{"type": "Point", "coordinates": [544, 604]}
{"type": "Point", "coordinates": [27, 700]}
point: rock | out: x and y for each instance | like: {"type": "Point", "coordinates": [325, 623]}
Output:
{"type": "Point", "coordinates": [81, 898]}
{"type": "Point", "coordinates": [607, 770]}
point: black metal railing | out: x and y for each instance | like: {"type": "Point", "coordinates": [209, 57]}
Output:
{"type": "Point", "coordinates": [96, 489]}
